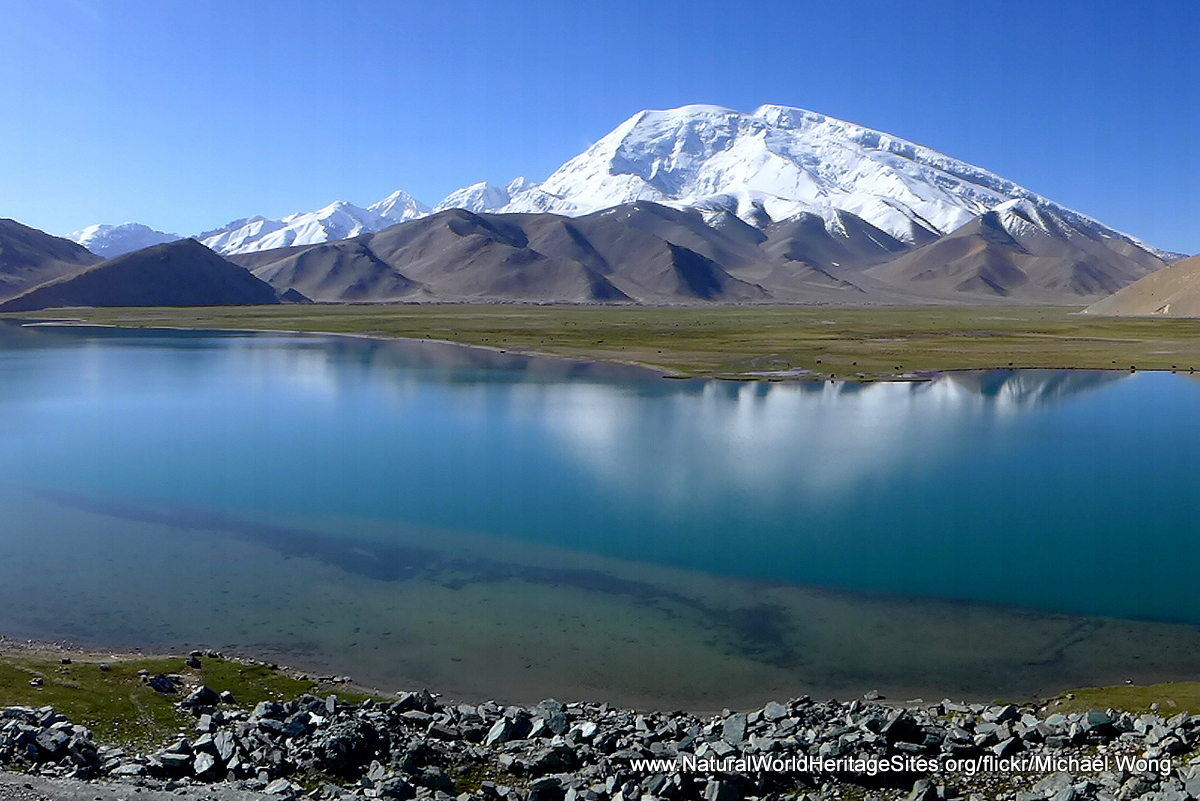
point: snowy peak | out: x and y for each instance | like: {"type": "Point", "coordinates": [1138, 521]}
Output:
{"type": "Point", "coordinates": [338, 220]}
{"type": "Point", "coordinates": [399, 207]}
{"type": "Point", "coordinates": [777, 163]}
{"type": "Point", "coordinates": [484, 197]}
{"type": "Point", "coordinates": [114, 240]}
{"type": "Point", "coordinates": [477, 198]}
{"type": "Point", "coordinates": [240, 235]}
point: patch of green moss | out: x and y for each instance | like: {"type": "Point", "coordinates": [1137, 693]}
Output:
{"type": "Point", "coordinates": [1171, 698]}
{"type": "Point", "coordinates": [119, 708]}
{"type": "Point", "coordinates": [470, 778]}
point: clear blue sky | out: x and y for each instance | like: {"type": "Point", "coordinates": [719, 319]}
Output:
{"type": "Point", "coordinates": [185, 115]}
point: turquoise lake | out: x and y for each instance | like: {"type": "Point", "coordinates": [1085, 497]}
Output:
{"type": "Point", "coordinates": [490, 524]}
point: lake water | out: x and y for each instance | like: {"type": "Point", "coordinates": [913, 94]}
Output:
{"type": "Point", "coordinates": [488, 524]}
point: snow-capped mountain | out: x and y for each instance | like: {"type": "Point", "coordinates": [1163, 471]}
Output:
{"type": "Point", "coordinates": [399, 207]}
{"type": "Point", "coordinates": [338, 220]}
{"type": "Point", "coordinates": [484, 197]}
{"type": "Point", "coordinates": [113, 240]}
{"type": "Point", "coordinates": [775, 164]}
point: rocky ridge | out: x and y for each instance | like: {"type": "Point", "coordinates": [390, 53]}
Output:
{"type": "Point", "coordinates": [419, 747]}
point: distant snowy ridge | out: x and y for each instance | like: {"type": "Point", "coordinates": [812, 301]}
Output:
{"type": "Point", "coordinates": [772, 165]}
{"type": "Point", "coordinates": [338, 220]}
{"type": "Point", "coordinates": [113, 240]}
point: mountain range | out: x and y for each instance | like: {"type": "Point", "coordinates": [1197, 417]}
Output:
{"type": "Point", "coordinates": [767, 166]}
{"type": "Point", "coordinates": [699, 203]}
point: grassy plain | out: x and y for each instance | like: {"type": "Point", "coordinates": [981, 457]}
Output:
{"type": "Point", "coordinates": [741, 341]}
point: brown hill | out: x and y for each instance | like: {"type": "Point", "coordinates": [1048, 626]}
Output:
{"type": "Point", "coordinates": [29, 257]}
{"type": "Point", "coordinates": [182, 273]}
{"type": "Point", "coordinates": [1172, 291]}
{"type": "Point", "coordinates": [460, 255]}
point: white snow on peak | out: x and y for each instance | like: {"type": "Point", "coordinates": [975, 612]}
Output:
{"type": "Point", "coordinates": [484, 197]}
{"type": "Point", "coordinates": [781, 161]}
{"type": "Point", "coordinates": [338, 220]}
{"type": "Point", "coordinates": [399, 207]}
{"type": "Point", "coordinates": [476, 197]}
{"type": "Point", "coordinates": [113, 240]}
{"type": "Point", "coordinates": [239, 235]}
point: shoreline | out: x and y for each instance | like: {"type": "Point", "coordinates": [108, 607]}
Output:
{"type": "Point", "coordinates": [334, 680]}
{"type": "Point", "coordinates": [652, 370]}
{"type": "Point", "coordinates": [769, 343]}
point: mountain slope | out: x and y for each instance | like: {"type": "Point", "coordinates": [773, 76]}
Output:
{"type": "Point", "coordinates": [29, 257]}
{"type": "Point", "coordinates": [183, 273]}
{"type": "Point", "coordinates": [343, 271]}
{"type": "Point", "coordinates": [1021, 252]}
{"type": "Point", "coordinates": [113, 240]}
{"type": "Point", "coordinates": [1173, 291]}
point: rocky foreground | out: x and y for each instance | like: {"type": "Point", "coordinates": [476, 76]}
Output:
{"type": "Point", "coordinates": [417, 747]}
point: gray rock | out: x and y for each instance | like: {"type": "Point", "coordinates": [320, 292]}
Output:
{"type": "Point", "coordinates": [297, 724]}
{"type": "Point", "coordinates": [500, 733]}
{"type": "Point", "coordinates": [128, 770]}
{"type": "Point", "coordinates": [1006, 713]}
{"type": "Point", "coordinates": [204, 696]}
{"type": "Point", "coordinates": [922, 790]}
{"type": "Point", "coordinates": [174, 762]}
{"type": "Point", "coordinates": [396, 788]}
{"type": "Point", "coordinates": [733, 730]}
{"type": "Point", "coordinates": [585, 730]}
{"type": "Point", "coordinates": [204, 765]}
{"type": "Point", "coordinates": [717, 790]}
{"type": "Point", "coordinates": [161, 684]}
{"type": "Point", "coordinates": [775, 711]}
{"type": "Point", "coordinates": [558, 723]}
{"type": "Point", "coordinates": [52, 742]}
{"type": "Point", "coordinates": [1135, 787]}
{"type": "Point", "coordinates": [1053, 783]}
{"type": "Point", "coordinates": [269, 710]}
{"type": "Point", "coordinates": [279, 787]}
{"type": "Point", "coordinates": [435, 778]}
{"type": "Point", "coordinates": [1007, 747]}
